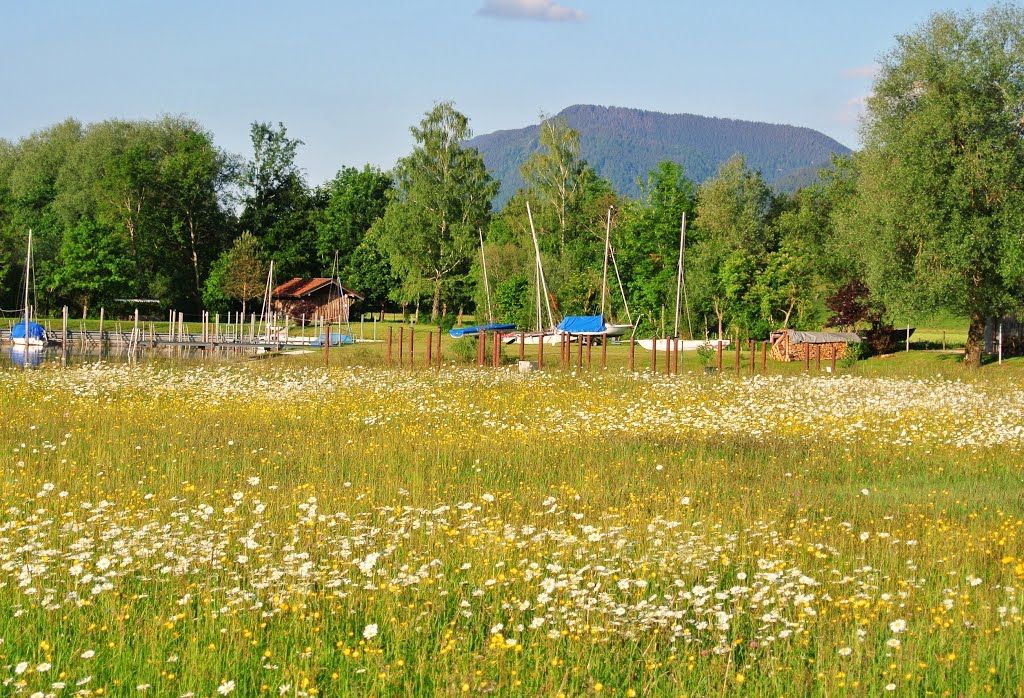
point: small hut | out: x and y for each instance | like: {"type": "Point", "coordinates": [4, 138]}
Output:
{"type": "Point", "coordinates": [314, 299]}
{"type": "Point", "coordinates": [794, 345]}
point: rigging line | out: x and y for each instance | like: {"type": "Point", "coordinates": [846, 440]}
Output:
{"type": "Point", "coordinates": [622, 289]}
{"type": "Point", "coordinates": [487, 286]}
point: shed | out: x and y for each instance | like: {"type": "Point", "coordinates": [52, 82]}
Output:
{"type": "Point", "coordinates": [314, 299]}
{"type": "Point", "coordinates": [794, 345]}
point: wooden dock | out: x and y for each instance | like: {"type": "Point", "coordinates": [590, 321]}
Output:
{"type": "Point", "coordinates": [152, 340]}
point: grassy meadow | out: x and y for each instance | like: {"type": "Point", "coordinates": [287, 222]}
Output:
{"type": "Point", "coordinates": [279, 528]}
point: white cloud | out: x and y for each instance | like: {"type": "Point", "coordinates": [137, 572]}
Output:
{"type": "Point", "coordinates": [864, 72]}
{"type": "Point", "coordinates": [544, 10]}
{"type": "Point", "coordinates": [851, 112]}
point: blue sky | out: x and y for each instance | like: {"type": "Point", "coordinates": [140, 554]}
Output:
{"type": "Point", "coordinates": [349, 78]}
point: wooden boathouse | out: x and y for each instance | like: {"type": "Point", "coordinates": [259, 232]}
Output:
{"type": "Point", "coordinates": [320, 299]}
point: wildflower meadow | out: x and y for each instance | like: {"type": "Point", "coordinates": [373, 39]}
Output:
{"type": "Point", "coordinates": [255, 529]}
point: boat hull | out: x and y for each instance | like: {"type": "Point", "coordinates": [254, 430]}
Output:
{"type": "Point", "coordinates": [682, 344]}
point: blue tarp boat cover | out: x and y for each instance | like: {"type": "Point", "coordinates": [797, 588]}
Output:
{"type": "Point", "coordinates": [493, 327]}
{"type": "Point", "coordinates": [35, 331]}
{"type": "Point", "coordinates": [580, 324]}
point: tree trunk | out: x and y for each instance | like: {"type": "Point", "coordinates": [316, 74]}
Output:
{"type": "Point", "coordinates": [975, 340]}
{"type": "Point", "coordinates": [435, 308]}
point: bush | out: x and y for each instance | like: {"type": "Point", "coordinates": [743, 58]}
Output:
{"type": "Point", "coordinates": [854, 353]}
{"type": "Point", "coordinates": [446, 323]}
{"type": "Point", "coordinates": [464, 349]}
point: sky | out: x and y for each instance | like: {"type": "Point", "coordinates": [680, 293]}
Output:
{"type": "Point", "coordinates": [350, 77]}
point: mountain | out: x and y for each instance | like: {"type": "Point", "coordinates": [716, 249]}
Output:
{"type": "Point", "coordinates": [625, 144]}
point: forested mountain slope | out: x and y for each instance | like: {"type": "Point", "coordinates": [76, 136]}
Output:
{"type": "Point", "coordinates": [624, 144]}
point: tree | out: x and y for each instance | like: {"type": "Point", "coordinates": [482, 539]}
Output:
{"type": "Point", "coordinates": [734, 234]}
{"type": "Point", "coordinates": [279, 208]}
{"type": "Point", "coordinates": [442, 198]}
{"type": "Point", "coordinates": [940, 198]}
{"type": "Point", "coordinates": [242, 272]}
{"type": "Point", "coordinates": [356, 199]}
{"type": "Point", "coordinates": [93, 266]}
{"type": "Point", "coordinates": [648, 250]}
{"type": "Point", "coordinates": [556, 174]}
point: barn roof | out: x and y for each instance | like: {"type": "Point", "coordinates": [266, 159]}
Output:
{"type": "Point", "coordinates": [300, 288]}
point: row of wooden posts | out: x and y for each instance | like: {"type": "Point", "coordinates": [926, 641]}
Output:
{"type": "Point", "coordinates": [673, 361]}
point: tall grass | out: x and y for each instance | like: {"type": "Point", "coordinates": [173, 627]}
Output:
{"type": "Point", "coordinates": [261, 529]}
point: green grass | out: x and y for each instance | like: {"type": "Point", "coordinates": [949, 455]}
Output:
{"type": "Point", "coordinates": [474, 488]}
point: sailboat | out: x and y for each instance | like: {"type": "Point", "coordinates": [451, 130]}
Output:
{"type": "Point", "coordinates": [26, 334]}
{"type": "Point", "coordinates": [547, 335]}
{"type": "Point", "coordinates": [491, 325]}
{"type": "Point", "coordinates": [611, 329]}
{"type": "Point", "coordinates": [683, 344]}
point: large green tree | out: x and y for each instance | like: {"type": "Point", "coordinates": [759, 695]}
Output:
{"type": "Point", "coordinates": [279, 208]}
{"type": "Point", "coordinates": [556, 174]}
{"type": "Point", "coordinates": [733, 236]}
{"type": "Point", "coordinates": [940, 198]}
{"type": "Point", "coordinates": [356, 199]}
{"type": "Point", "coordinates": [442, 199]}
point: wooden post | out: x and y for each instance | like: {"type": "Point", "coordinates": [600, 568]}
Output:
{"type": "Point", "coordinates": [668, 357]}
{"type": "Point", "coordinates": [753, 355]}
{"type": "Point", "coordinates": [135, 330]}
{"type": "Point", "coordinates": [430, 345]}
{"type": "Point", "coordinates": [579, 352]}
{"type": "Point", "coordinates": [540, 352]}
{"type": "Point", "coordinates": [817, 358]}
{"type": "Point", "coordinates": [737, 353]}
{"type": "Point", "coordinates": [412, 346]}
{"type": "Point", "coordinates": [719, 354]}
{"type": "Point", "coordinates": [807, 358]}
{"type": "Point", "coordinates": [522, 346]}
{"type": "Point", "coordinates": [216, 328]}
{"type": "Point", "coordinates": [604, 351]}
{"type": "Point", "coordinates": [562, 346]}
{"type": "Point", "coordinates": [632, 353]}
{"type": "Point", "coordinates": [390, 338]}
{"type": "Point", "coordinates": [764, 356]}
{"type": "Point", "coordinates": [439, 332]}
{"type": "Point", "coordinates": [654, 355]}
{"type": "Point", "coordinates": [401, 345]}
{"type": "Point", "coordinates": [101, 330]}
{"type": "Point", "coordinates": [677, 347]}
{"type": "Point", "coordinates": [64, 327]}
{"type": "Point", "coordinates": [834, 352]}
{"type": "Point", "coordinates": [495, 351]}
{"type": "Point", "coordinates": [327, 345]}
{"type": "Point", "coordinates": [480, 349]}
{"type": "Point", "coordinates": [590, 349]}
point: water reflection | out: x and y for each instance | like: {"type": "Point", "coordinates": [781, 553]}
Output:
{"type": "Point", "coordinates": [55, 357]}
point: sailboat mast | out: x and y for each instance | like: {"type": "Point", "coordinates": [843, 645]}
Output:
{"type": "Point", "coordinates": [540, 268]}
{"type": "Point", "coordinates": [487, 286]}
{"type": "Point", "coordinates": [679, 274]}
{"type": "Point", "coordinates": [607, 244]}
{"type": "Point", "coordinates": [28, 270]}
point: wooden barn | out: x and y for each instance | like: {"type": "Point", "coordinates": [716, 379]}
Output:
{"type": "Point", "coordinates": [794, 345]}
{"type": "Point", "coordinates": [314, 299]}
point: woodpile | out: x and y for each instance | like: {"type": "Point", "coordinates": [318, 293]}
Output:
{"type": "Point", "coordinates": [790, 345]}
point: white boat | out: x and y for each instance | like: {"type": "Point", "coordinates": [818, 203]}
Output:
{"type": "Point", "coordinates": [26, 334]}
{"type": "Point", "coordinates": [617, 330]}
{"type": "Point", "coordinates": [534, 338]}
{"type": "Point", "coordinates": [682, 344]}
